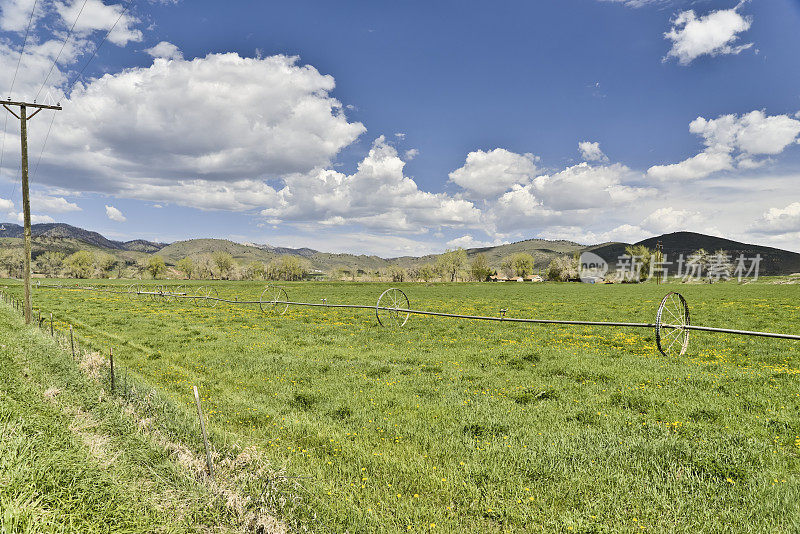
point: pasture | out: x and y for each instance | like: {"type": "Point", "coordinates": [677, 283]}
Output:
{"type": "Point", "coordinates": [449, 424]}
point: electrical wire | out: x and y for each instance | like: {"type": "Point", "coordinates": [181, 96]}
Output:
{"type": "Point", "coordinates": [55, 61]}
{"type": "Point", "coordinates": [80, 74]}
{"type": "Point", "coordinates": [24, 43]}
{"type": "Point", "coordinates": [3, 148]}
{"type": "Point", "coordinates": [64, 44]}
{"type": "Point", "coordinates": [14, 81]}
{"type": "Point", "coordinates": [46, 137]}
{"type": "Point", "coordinates": [105, 38]}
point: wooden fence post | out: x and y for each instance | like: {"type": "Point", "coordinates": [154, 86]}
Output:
{"type": "Point", "coordinates": [71, 342]}
{"type": "Point", "coordinates": [111, 359]}
{"type": "Point", "coordinates": [203, 429]}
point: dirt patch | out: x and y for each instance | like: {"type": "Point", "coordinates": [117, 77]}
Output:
{"type": "Point", "coordinates": [247, 466]}
{"type": "Point", "coordinates": [51, 393]}
{"type": "Point", "coordinates": [231, 472]}
{"type": "Point", "coordinates": [181, 454]}
{"type": "Point", "coordinates": [144, 424]}
{"type": "Point", "coordinates": [97, 444]}
{"type": "Point", "coordinates": [92, 363]}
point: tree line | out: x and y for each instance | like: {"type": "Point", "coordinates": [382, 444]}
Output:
{"type": "Point", "coordinates": [218, 265]}
{"type": "Point", "coordinates": [223, 266]}
{"type": "Point", "coordinates": [451, 266]}
{"type": "Point", "coordinates": [645, 262]}
{"type": "Point", "coordinates": [81, 264]}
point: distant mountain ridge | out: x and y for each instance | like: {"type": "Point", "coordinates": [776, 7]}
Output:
{"type": "Point", "coordinates": [66, 231]}
{"type": "Point", "coordinates": [774, 261]}
{"type": "Point", "coordinates": [308, 252]}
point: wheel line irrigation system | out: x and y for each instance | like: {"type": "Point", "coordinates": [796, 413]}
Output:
{"type": "Point", "coordinates": [393, 309]}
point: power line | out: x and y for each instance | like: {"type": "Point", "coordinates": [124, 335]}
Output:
{"type": "Point", "coordinates": [105, 37]}
{"type": "Point", "coordinates": [13, 81]}
{"type": "Point", "coordinates": [46, 137]}
{"type": "Point", "coordinates": [24, 118]}
{"type": "Point", "coordinates": [24, 43]}
{"type": "Point", "coordinates": [124, 11]}
{"type": "Point", "coordinates": [55, 61]}
{"type": "Point", "coordinates": [3, 149]}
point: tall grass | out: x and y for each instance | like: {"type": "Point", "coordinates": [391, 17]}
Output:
{"type": "Point", "coordinates": [451, 425]}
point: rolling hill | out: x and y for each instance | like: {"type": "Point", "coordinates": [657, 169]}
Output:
{"type": "Point", "coordinates": [66, 231]}
{"type": "Point", "coordinates": [66, 238]}
{"type": "Point", "coordinates": [774, 261]}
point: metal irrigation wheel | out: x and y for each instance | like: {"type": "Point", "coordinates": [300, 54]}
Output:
{"type": "Point", "coordinates": [389, 306]}
{"type": "Point", "coordinates": [156, 293]}
{"type": "Point", "coordinates": [169, 294]}
{"type": "Point", "coordinates": [210, 297]}
{"type": "Point", "coordinates": [178, 292]}
{"type": "Point", "coordinates": [672, 318]}
{"type": "Point", "coordinates": [133, 292]}
{"type": "Point", "coordinates": [274, 300]}
{"type": "Point", "coordinates": [197, 295]}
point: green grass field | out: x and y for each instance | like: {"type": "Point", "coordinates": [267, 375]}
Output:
{"type": "Point", "coordinates": [449, 425]}
{"type": "Point", "coordinates": [70, 461]}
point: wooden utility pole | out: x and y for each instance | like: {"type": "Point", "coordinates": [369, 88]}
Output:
{"type": "Point", "coordinates": [26, 204]}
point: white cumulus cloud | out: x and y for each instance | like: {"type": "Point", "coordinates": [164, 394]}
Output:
{"type": "Point", "coordinates": [46, 45]}
{"type": "Point", "coordinates": [753, 133]}
{"type": "Point", "coordinates": [585, 186]}
{"type": "Point", "coordinates": [515, 199]}
{"type": "Point", "coordinates": [626, 233]}
{"type": "Point", "coordinates": [520, 208]}
{"type": "Point", "coordinates": [98, 16]}
{"type": "Point", "coordinates": [378, 195]}
{"type": "Point", "coordinates": [591, 151]}
{"type": "Point", "coordinates": [165, 50]}
{"type": "Point", "coordinates": [714, 34]}
{"type": "Point", "coordinates": [172, 123]}
{"type": "Point", "coordinates": [489, 174]}
{"type": "Point", "coordinates": [732, 141]}
{"type": "Point", "coordinates": [114, 214]}
{"type": "Point", "coordinates": [7, 207]}
{"type": "Point", "coordinates": [468, 241]}
{"type": "Point", "coordinates": [778, 220]}
{"type": "Point", "coordinates": [635, 3]}
{"type": "Point", "coordinates": [665, 220]}
{"type": "Point", "coordinates": [15, 14]}
{"type": "Point", "coordinates": [699, 166]}
{"type": "Point", "coordinates": [52, 204]}
{"type": "Point", "coordinates": [35, 218]}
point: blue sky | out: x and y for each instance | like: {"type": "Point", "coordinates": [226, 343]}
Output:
{"type": "Point", "coordinates": [407, 128]}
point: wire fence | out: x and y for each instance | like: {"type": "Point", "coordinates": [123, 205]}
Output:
{"type": "Point", "coordinates": [280, 491]}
